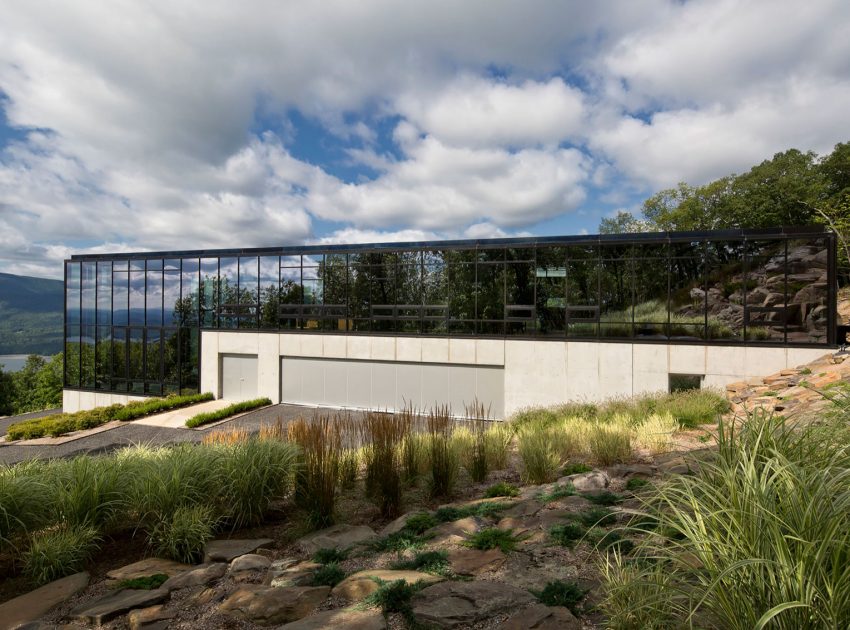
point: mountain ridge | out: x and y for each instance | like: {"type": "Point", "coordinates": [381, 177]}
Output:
{"type": "Point", "coordinates": [30, 315]}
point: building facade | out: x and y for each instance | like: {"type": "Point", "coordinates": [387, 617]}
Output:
{"type": "Point", "coordinates": [509, 322]}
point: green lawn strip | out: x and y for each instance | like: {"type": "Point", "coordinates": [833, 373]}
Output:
{"type": "Point", "coordinates": [231, 410]}
{"type": "Point", "coordinates": [63, 423]}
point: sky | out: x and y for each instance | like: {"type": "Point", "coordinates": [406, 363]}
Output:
{"type": "Point", "coordinates": [157, 125]}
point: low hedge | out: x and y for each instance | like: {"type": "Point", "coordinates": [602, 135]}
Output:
{"type": "Point", "coordinates": [230, 410]}
{"type": "Point", "coordinates": [63, 423]}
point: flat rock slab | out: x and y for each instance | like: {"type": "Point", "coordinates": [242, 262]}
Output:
{"type": "Point", "coordinates": [300, 574]}
{"type": "Point", "coordinates": [250, 562]}
{"type": "Point", "coordinates": [529, 507]}
{"type": "Point", "coordinates": [337, 537]}
{"type": "Point", "coordinates": [550, 518]}
{"type": "Point", "coordinates": [34, 604]}
{"type": "Point", "coordinates": [203, 574]}
{"type": "Point", "coordinates": [148, 567]}
{"type": "Point", "coordinates": [360, 585]}
{"type": "Point", "coordinates": [451, 604]}
{"type": "Point", "coordinates": [227, 550]}
{"type": "Point", "coordinates": [348, 618]}
{"type": "Point", "coordinates": [395, 526]}
{"type": "Point", "coordinates": [474, 561]}
{"type": "Point", "coordinates": [148, 618]}
{"type": "Point", "coordinates": [540, 617]}
{"type": "Point", "coordinates": [115, 604]}
{"type": "Point", "coordinates": [520, 525]}
{"type": "Point", "coordinates": [455, 532]}
{"type": "Point", "coordinates": [265, 605]}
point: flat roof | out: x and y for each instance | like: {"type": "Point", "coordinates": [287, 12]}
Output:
{"type": "Point", "coordinates": [577, 239]}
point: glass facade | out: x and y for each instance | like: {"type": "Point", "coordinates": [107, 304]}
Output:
{"type": "Point", "coordinates": [133, 322]}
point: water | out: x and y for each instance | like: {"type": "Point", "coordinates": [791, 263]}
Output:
{"type": "Point", "coordinates": [15, 362]}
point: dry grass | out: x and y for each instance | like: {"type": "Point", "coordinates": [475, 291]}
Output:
{"type": "Point", "coordinates": [321, 449]}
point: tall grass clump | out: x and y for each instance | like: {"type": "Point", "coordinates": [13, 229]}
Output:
{"type": "Point", "coordinates": [349, 466]}
{"type": "Point", "coordinates": [26, 501]}
{"type": "Point", "coordinates": [497, 441]}
{"type": "Point", "coordinates": [477, 463]}
{"type": "Point", "coordinates": [442, 455]}
{"type": "Point", "coordinates": [693, 407]}
{"type": "Point", "coordinates": [55, 553]}
{"type": "Point", "coordinates": [540, 456]}
{"type": "Point", "coordinates": [758, 538]}
{"type": "Point", "coordinates": [382, 433]}
{"type": "Point", "coordinates": [611, 442]}
{"type": "Point", "coordinates": [320, 441]}
{"type": "Point", "coordinates": [414, 456]}
{"type": "Point", "coordinates": [655, 433]}
{"type": "Point", "coordinates": [182, 534]}
{"type": "Point", "coordinates": [91, 491]}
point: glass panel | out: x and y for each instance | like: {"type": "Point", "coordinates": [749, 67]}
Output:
{"type": "Point", "coordinates": [172, 264]}
{"type": "Point", "coordinates": [189, 352]}
{"type": "Point", "coordinates": [153, 302]}
{"type": "Point", "coordinates": [726, 289]}
{"type": "Point", "coordinates": [269, 292]}
{"type": "Point", "coordinates": [189, 298]}
{"type": "Point", "coordinates": [359, 286]}
{"type": "Point", "coordinates": [120, 265]}
{"type": "Point", "coordinates": [551, 277]}
{"type": "Point", "coordinates": [72, 293]}
{"type": "Point", "coordinates": [435, 294]}
{"type": "Point", "coordinates": [807, 291]}
{"type": "Point", "coordinates": [764, 289]}
{"type": "Point", "coordinates": [137, 297]}
{"type": "Point", "coordinates": [490, 291]}
{"type": "Point", "coordinates": [154, 264]}
{"type": "Point", "coordinates": [72, 356]}
{"type": "Point", "coordinates": [88, 304]}
{"type": "Point", "coordinates": [209, 292]}
{"type": "Point", "coordinates": [582, 292]}
{"type": "Point", "coordinates": [87, 369]}
{"type": "Point", "coordinates": [651, 270]}
{"type": "Point", "coordinates": [520, 303]}
{"type": "Point", "coordinates": [688, 296]}
{"type": "Point", "coordinates": [119, 359]}
{"type": "Point", "coordinates": [409, 291]}
{"type": "Point", "coordinates": [153, 355]}
{"type": "Point", "coordinates": [104, 293]}
{"type": "Point", "coordinates": [173, 307]}
{"type": "Point", "coordinates": [228, 274]}
{"type": "Point", "coordinates": [137, 265]}
{"type": "Point", "coordinates": [291, 298]}
{"type": "Point", "coordinates": [136, 356]}
{"type": "Point", "coordinates": [248, 291]}
{"type": "Point", "coordinates": [120, 298]}
{"type": "Point", "coordinates": [170, 365]}
{"type": "Point", "coordinates": [462, 293]}
{"type": "Point", "coordinates": [103, 357]}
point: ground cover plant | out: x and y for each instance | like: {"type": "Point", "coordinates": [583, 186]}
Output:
{"type": "Point", "coordinates": [63, 423]}
{"type": "Point", "coordinates": [758, 537]}
{"type": "Point", "coordinates": [561, 593]}
{"type": "Point", "coordinates": [493, 538]}
{"type": "Point", "coordinates": [436, 562]}
{"type": "Point", "coordinates": [501, 489]}
{"type": "Point", "coordinates": [231, 410]}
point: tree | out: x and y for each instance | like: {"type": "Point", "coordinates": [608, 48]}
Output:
{"type": "Point", "coordinates": [623, 223]}
{"type": "Point", "coordinates": [7, 393]}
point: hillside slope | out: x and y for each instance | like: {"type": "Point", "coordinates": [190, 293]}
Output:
{"type": "Point", "coordinates": [30, 315]}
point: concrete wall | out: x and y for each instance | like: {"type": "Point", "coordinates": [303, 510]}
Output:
{"type": "Point", "coordinates": [536, 372]}
{"type": "Point", "coordinates": [75, 400]}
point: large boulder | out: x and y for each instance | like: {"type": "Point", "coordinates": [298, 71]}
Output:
{"type": "Point", "coordinates": [267, 606]}
{"type": "Point", "coordinates": [336, 537]}
{"type": "Point", "coordinates": [32, 605]}
{"type": "Point", "coordinates": [360, 585]}
{"type": "Point", "coordinates": [589, 481]}
{"type": "Point", "coordinates": [227, 549]}
{"type": "Point", "coordinates": [203, 574]}
{"type": "Point", "coordinates": [250, 562]}
{"type": "Point", "coordinates": [451, 604]}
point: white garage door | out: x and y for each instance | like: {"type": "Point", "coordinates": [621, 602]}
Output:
{"type": "Point", "coordinates": [238, 376]}
{"type": "Point", "coordinates": [390, 385]}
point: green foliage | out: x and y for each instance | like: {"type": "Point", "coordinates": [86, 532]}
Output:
{"type": "Point", "coordinates": [611, 541]}
{"type": "Point", "coordinates": [55, 553]}
{"type": "Point", "coordinates": [147, 583]}
{"type": "Point", "coordinates": [320, 442]}
{"type": "Point", "coordinates": [329, 574]}
{"type": "Point", "coordinates": [538, 451]}
{"type": "Point", "coordinates": [575, 468]}
{"type": "Point", "coordinates": [603, 497]}
{"type": "Point", "coordinates": [805, 371]}
{"type": "Point", "coordinates": [62, 423]}
{"type": "Point", "coordinates": [182, 535]}
{"type": "Point", "coordinates": [403, 540]}
{"type": "Point", "coordinates": [560, 491]}
{"type": "Point", "coordinates": [442, 454]}
{"type": "Point", "coordinates": [328, 555]}
{"type": "Point", "coordinates": [436, 562]}
{"type": "Point", "coordinates": [636, 483]}
{"type": "Point", "coordinates": [26, 500]}
{"type": "Point", "coordinates": [610, 444]}
{"type": "Point", "coordinates": [349, 466]}
{"type": "Point", "coordinates": [420, 522]}
{"type": "Point", "coordinates": [484, 510]}
{"type": "Point", "coordinates": [383, 432]}
{"type": "Point", "coordinates": [493, 538]}
{"type": "Point", "coordinates": [393, 597]}
{"type": "Point", "coordinates": [596, 516]}
{"type": "Point", "coordinates": [501, 489]}
{"type": "Point", "coordinates": [30, 315]}
{"type": "Point", "coordinates": [231, 410]}
{"type": "Point", "coordinates": [567, 534]}
{"type": "Point", "coordinates": [560, 593]}
{"type": "Point", "coordinates": [760, 534]}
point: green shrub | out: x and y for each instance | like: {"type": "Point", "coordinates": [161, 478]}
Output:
{"type": "Point", "coordinates": [182, 535]}
{"type": "Point", "coordinates": [575, 468]}
{"type": "Point", "coordinates": [328, 575]}
{"type": "Point", "coordinates": [766, 522]}
{"type": "Point", "coordinates": [330, 555]}
{"type": "Point", "coordinates": [477, 463]}
{"type": "Point", "coordinates": [560, 593]}
{"type": "Point", "coordinates": [567, 534]}
{"type": "Point", "coordinates": [404, 540]}
{"type": "Point", "coordinates": [560, 491]}
{"type": "Point", "coordinates": [611, 540]}
{"type": "Point", "coordinates": [26, 500]}
{"type": "Point", "coordinates": [141, 408]}
{"type": "Point", "coordinates": [231, 410]}
{"type": "Point", "coordinates": [436, 562]}
{"type": "Point", "coordinates": [90, 491]}
{"type": "Point", "coordinates": [493, 538]}
{"type": "Point", "coordinates": [603, 497]}
{"type": "Point", "coordinates": [501, 489]}
{"type": "Point", "coordinates": [393, 597]}
{"type": "Point", "coordinates": [636, 483]}
{"type": "Point", "coordinates": [694, 407]}
{"type": "Point", "coordinates": [484, 510]}
{"type": "Point", "coordinates": [806, 371]}
{"type": "Point", "coordinates": [55, 553]}
{"type": "Point", "coordinates": [610, 444]}
{"type": "Point", "coordinates": [147, 583]}
{"type": "Point", "coordinates": [420, 522]}
{"type": "Point", "coordinates": [596, 516]}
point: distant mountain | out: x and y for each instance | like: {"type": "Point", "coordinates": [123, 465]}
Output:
{"type": "Point", "coordinates": [30, 315]}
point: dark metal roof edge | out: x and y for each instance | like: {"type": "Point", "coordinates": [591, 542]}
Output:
{"type": "Point", "coordinates": [627, 238]}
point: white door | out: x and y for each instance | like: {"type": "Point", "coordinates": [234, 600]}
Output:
{"type": "Point", "coordinates": [391, 385]}
{"type": "Point", "coordinates": [238, 376]}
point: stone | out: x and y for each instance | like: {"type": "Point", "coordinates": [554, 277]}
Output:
{"type": "Point", "coordinates": [203, 574]}
{"type": "Point", "coordinates": [145, 618]}
{"type": "Point", "coordinates": [584, 482]}
{"type": "Point", "coordinates": [348, 618]}
{"type": "Point", "coordinates": [360, 585]}
{"type": "Point", "coordinates": [451, 604]}
{"type": "Point", "coordinates": [541, 617]}
{"type": "Point", "coordinates": [203, 597]}
{"type": "Point", "coordinates": [32, 605]}
{"type": "Point", "coordinates": [148, 567]}
{"type": "Point", "coordinates": [117, 603]}
{"type": "Point", "coordinates": [336, 537]}
{"type": "Point", "coordinates": [395, 526]}
{"type": "Point", "coordinates": [519, 525]}
{"type": "Point", "coordinates": [226, 550]}
{"type": "Point", "coordinates": [627, 471]}
{"type": "Point", "coordinates": [529, 507]}
{"type": "Point", "coordinates": [474, 561]}
{"type": "Point", "coordinates": [250, 562]}
{"type": "Point", "coordinates": [300, 574]}
{"type": "Point", "coordinates": [550, 518]}
{"type": "Point", "coordinates": [266, 605]}
{"type": "Point", "coordinates": [455, 531]}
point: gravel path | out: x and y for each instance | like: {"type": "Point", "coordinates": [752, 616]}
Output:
{"type": "Point", "coordinates": [132, 433]}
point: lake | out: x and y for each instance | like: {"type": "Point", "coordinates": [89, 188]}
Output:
{"type": "Point", "coordinates": [14, 362]}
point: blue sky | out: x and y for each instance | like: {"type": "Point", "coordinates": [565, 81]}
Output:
{"type": "Point", "coordinates": [160, 125]}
